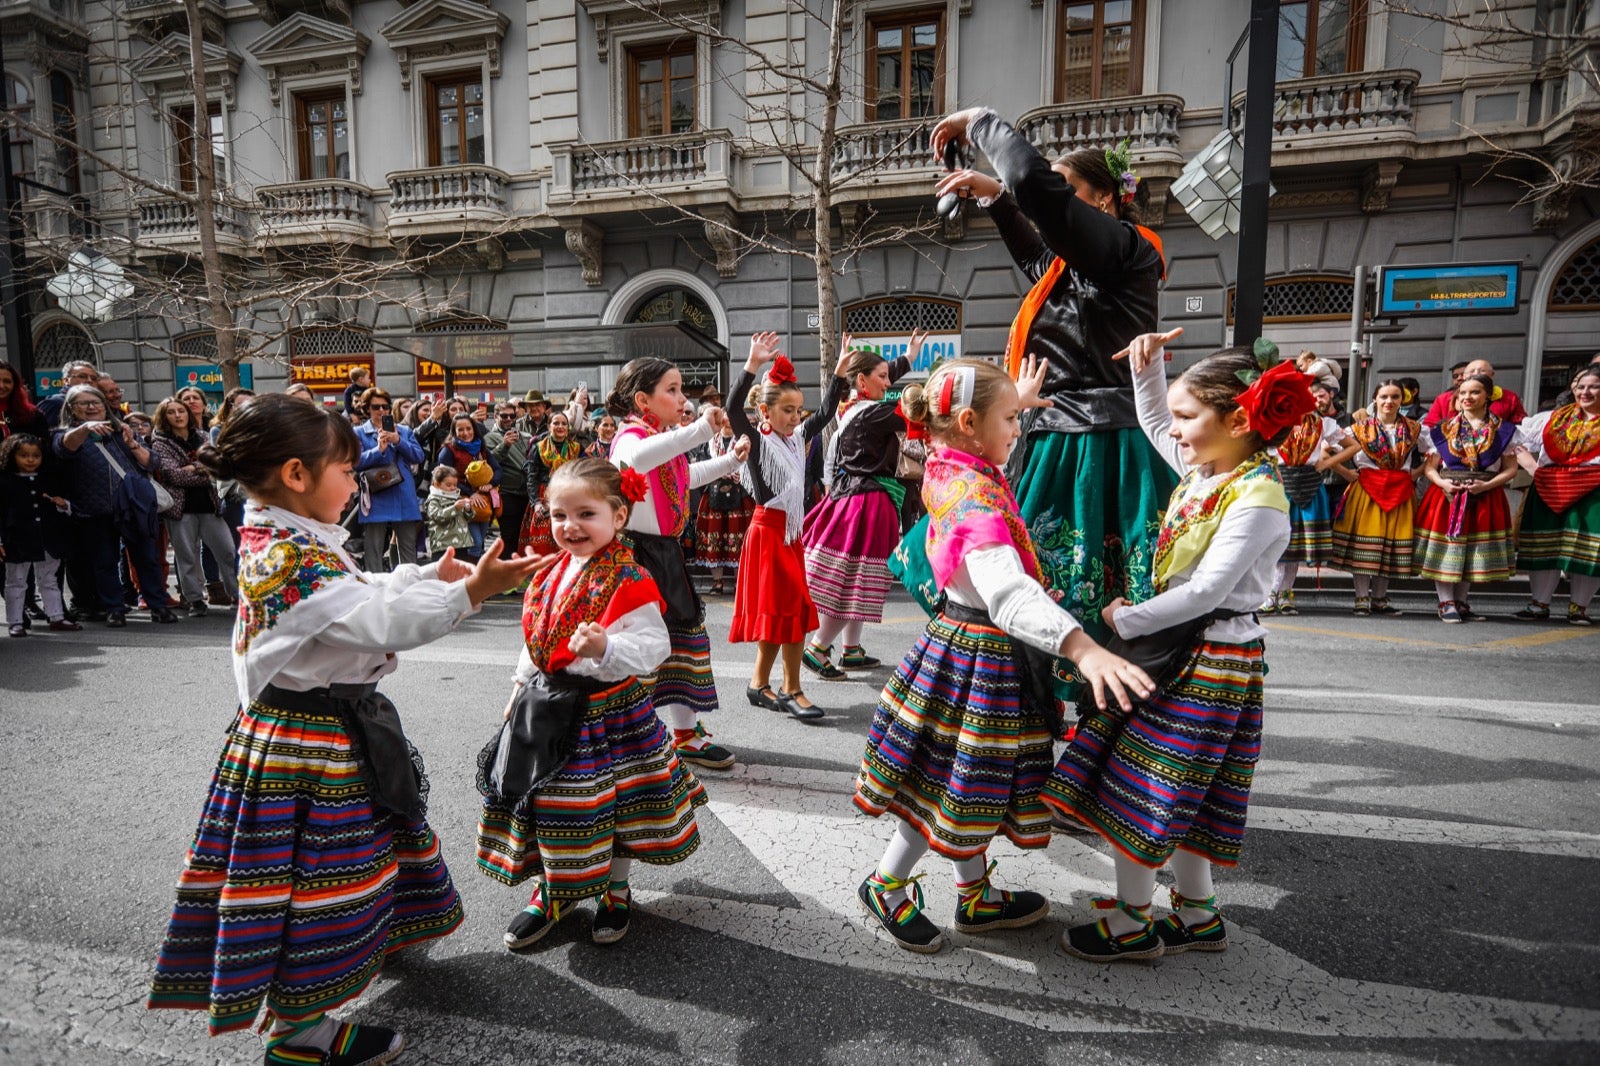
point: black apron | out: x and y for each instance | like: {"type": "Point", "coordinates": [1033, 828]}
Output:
{"type": "Point", "coordinates": [662, 558]}
{"type": "Point", "coordinates": [536, 741]}
{"type": "Point", "coordinates": [390, 766]}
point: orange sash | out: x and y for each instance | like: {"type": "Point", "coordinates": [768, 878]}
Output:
{"type": "Point", "coordinates": [1017, 339]}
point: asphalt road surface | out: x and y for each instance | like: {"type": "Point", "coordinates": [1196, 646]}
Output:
{"type": "Point", "coordinates": [1418, 883]}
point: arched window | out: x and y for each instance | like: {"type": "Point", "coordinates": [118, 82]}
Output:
{"type": "Point", "coordinates": [1577, 286]}
{"type": "Point", "coordinates": [60, 343]}
{"type": "Point", "coordinates": [675, 305]}
{"type": "Point", "coordinates": [1305, 298]}
{"type": "Point", "coordinates": [885, 325]}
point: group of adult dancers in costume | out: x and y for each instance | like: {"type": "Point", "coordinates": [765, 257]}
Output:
{"type": "Point", "coordinates": [314, 857]}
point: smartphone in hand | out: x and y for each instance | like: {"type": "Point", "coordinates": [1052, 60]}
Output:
{"type": "Point", "coordinates": [388, 423]}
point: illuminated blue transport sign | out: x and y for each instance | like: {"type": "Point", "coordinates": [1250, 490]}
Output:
{"type": "Point", "coordinates": [1452, 289]}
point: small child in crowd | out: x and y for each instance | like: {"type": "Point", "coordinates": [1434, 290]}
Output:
{"type": "Point", "coordinates": [449, 514]}
{"type": "Point", "coordinates": [33, 527]}
{"type": "Point", "coordinates": [592, 624]}
{"type": "Point", "coordinates": [961, 741]}
{"type": "Point", "coordinates": [313, 862]}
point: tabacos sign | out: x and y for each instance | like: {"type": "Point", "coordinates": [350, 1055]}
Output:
{"type": "Point", "coordinates": [207, 377]}
{"type": "Point", "coordinates": [938, 348]}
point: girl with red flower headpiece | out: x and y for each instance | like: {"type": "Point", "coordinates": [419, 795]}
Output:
{"type": "Point", "coordinates": [592, 624]}
{"type": "Point", "coordinates": [648, 399]}
{"type": "Point", "coordinates": [1171, 781]}
{"type": "Point", "coordinates": [772, 605]}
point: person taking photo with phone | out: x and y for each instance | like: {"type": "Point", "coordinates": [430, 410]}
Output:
{"type": "Point", "coordinates": [387, 489]}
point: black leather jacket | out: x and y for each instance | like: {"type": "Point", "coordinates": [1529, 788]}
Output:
{"type": "Point", "coordinates": [1105, 298]}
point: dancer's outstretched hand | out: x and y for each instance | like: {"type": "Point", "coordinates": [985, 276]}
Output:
{"type": "Point", "coordinates": [1107, 673]}
{"type": "Point", "coordinates": [1030, 381]}
{"type": "Point", "coordinates": [741, 449]}
{"type": "Point", "coordinates": [494, 574]}
{"type": "Point", "coordinates": [1144, 348]}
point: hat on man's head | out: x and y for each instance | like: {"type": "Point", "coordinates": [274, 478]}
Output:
{"type": "Point", "coordinates": [711, 394]}
{"type": "Point", "coordinates": [534, 396]}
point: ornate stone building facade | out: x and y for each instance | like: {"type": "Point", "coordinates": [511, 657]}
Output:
{"type": "Point", "coordinates": [528, 170]}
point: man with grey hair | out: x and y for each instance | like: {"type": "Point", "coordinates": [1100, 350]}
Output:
{"type": "Point", "coordinates": [77, 372]}
{"type": "Point", "coordinates": [1502, 402]}
{"type": "Point", "coordinates": [112, 392]}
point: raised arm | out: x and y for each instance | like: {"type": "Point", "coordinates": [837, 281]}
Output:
{"type": "Point", "coordinates": [826, 411]}
{"type": "Point", "coordinates": [1090, 241]}
{"type": "Point", "coordinates": [737, 414]}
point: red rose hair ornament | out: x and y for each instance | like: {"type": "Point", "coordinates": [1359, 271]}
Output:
{"type": "Point", "coordinates": [634, 485]}
{"type": "Point", "coordinates": [782, 371]}
{"type": "Point", "coordinates": [1279, 395]}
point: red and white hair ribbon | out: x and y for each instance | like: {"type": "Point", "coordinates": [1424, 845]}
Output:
{"type": "Point", "coordinates": [954, 391]}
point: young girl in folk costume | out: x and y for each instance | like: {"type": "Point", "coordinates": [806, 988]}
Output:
{"type": "Point", "coordinates": [33, 533]}
{"type": "Point", "coordinates": [1373, 530]}
{"type": "Point", "coordinates": [1302, 458]}
{"type": "Point", "coordinates": [850, 535]}
{"type": "Point", "coordinates": [648, 398]}
{"type": "Point", "coordinates": [1172, 779]}
{"type": "Point", "coordinates": [314, 858]}
{"type": "Point", "coordinates": [1464, 522]}
{"type": "Point", "coordinates": [591, 621]}
{"type": "Point", "coordinates": [771, 605]}
{"type": "Point", "coordinates": [960, 741]}
{"type": "Point", "coordinates": [1561, 516]}
{"type": "Point", "coordinates": [547, 455]}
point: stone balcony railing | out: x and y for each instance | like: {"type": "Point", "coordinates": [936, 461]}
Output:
{"type": "Point", "coordinates": [1362, 115]}
{"type": "Point", "coordinates": [324, 211]}
{"type": "Point", "coordinates": [459, 199]}
{"type": "Point", "coordinates": [169, 225]}
{"type": "Point", "coordinates": [875, 152]}
{"type": "Point", "coordinates": [67, 14]}
{"type": "Point", "coordinates": [696, 162]}
{"type": "Point", "coordinates": [1148, 123]}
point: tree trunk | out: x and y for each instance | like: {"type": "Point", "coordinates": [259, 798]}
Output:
{"type": "Point", "coordinates": [822, 213]}
{"type": "Point", "coordinates": [205, 204]}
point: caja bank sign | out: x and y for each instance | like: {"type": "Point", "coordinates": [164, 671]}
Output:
{"type": "Point", "coordinates": [207, 377]}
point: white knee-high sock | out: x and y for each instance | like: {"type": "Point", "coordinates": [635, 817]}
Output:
{"type": "Point", "coordinates": [1542, 585]}
{"type": "Point", "coordinates": [1446, 590]}
{"type": "Point", "coordinates": [620, 865]}
{"type": "Point", "coordinates": [852, 633]}
{"type": "Point", "coordinates": [1135, 885]}
{"type": "Point", "coordinates": [1583, 589]}
{"type": "Point", "coordinates": [1463, 590]}
{"type": "Point", "coordinates": [1380, 588]}
{"type": "Point", "coordinates": [973, 869]}
{"type": "Point", "coordinates": [828, 631]}
{"type": "Point", "coordinates": [678, 716]}
{"type": "Point", "coordinates": [1287, 572]}
{"type": "Point", "coordinates": [905, 848]}
{"type": "Point", "coordinates": [1363, 583]}
{"type": "Point", "coordinates": [317, 1034]}
{"type": "Point", "coordinates": [1194, 882]}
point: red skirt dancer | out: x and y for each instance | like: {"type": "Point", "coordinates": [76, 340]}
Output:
{"type": "Point", "coordinates": [771, 603]}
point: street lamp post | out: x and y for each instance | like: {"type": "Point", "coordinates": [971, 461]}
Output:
{"type": "Point", "coordinates": [1250, 275]}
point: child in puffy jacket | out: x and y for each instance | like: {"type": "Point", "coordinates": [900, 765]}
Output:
{"type": "Point", "coordinates": [447, 513]}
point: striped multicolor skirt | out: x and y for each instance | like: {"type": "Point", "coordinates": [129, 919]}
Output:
{"type": "Point", "coordinates": [952, 751]}
{"type": "Point", "coordinates": [1311, 530]}
{"type": "Point", "coordinates": [1480, 550]}
{"type": "Point", "coordinates": [1369, 540]}
{"type": "Point", "coordinates": [1176, 772]}
{"type": "Point", "coordinates": [684, 679]}
{"type": "Point", "coordinates": [847, 543]}
{"type": "Point", "coordinates": [295, 887]}
{"type": "Point", "coordinates": [623, 792]}
{"type": "Point", "coordinates": [1569, 541]}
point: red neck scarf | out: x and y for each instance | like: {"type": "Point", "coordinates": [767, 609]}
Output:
{"type": "Point", "coordinates": [610, 585]}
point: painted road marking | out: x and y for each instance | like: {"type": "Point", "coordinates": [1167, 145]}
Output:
{"type": "Point", "coordinates": [820, 855]}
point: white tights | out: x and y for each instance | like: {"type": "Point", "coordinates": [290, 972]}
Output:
{"type": "Point", "coordinates": [832, 627]}
{"type": "Point", "coordinates": [1368, 586]}
{"type": "Point", "coordinates": [1136, 884]}
{"type": "Point", "coordinates": [906, 849]}
{"type": "Point", "coordinates": [1287, 572]}
{"type": "Point", "coordinates": [1542, 587]}
{"type": "Point", "coordinates": [1452, 590]}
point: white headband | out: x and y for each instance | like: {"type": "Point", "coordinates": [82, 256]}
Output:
{"type": "Point", "coordinates": [955, 389]}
